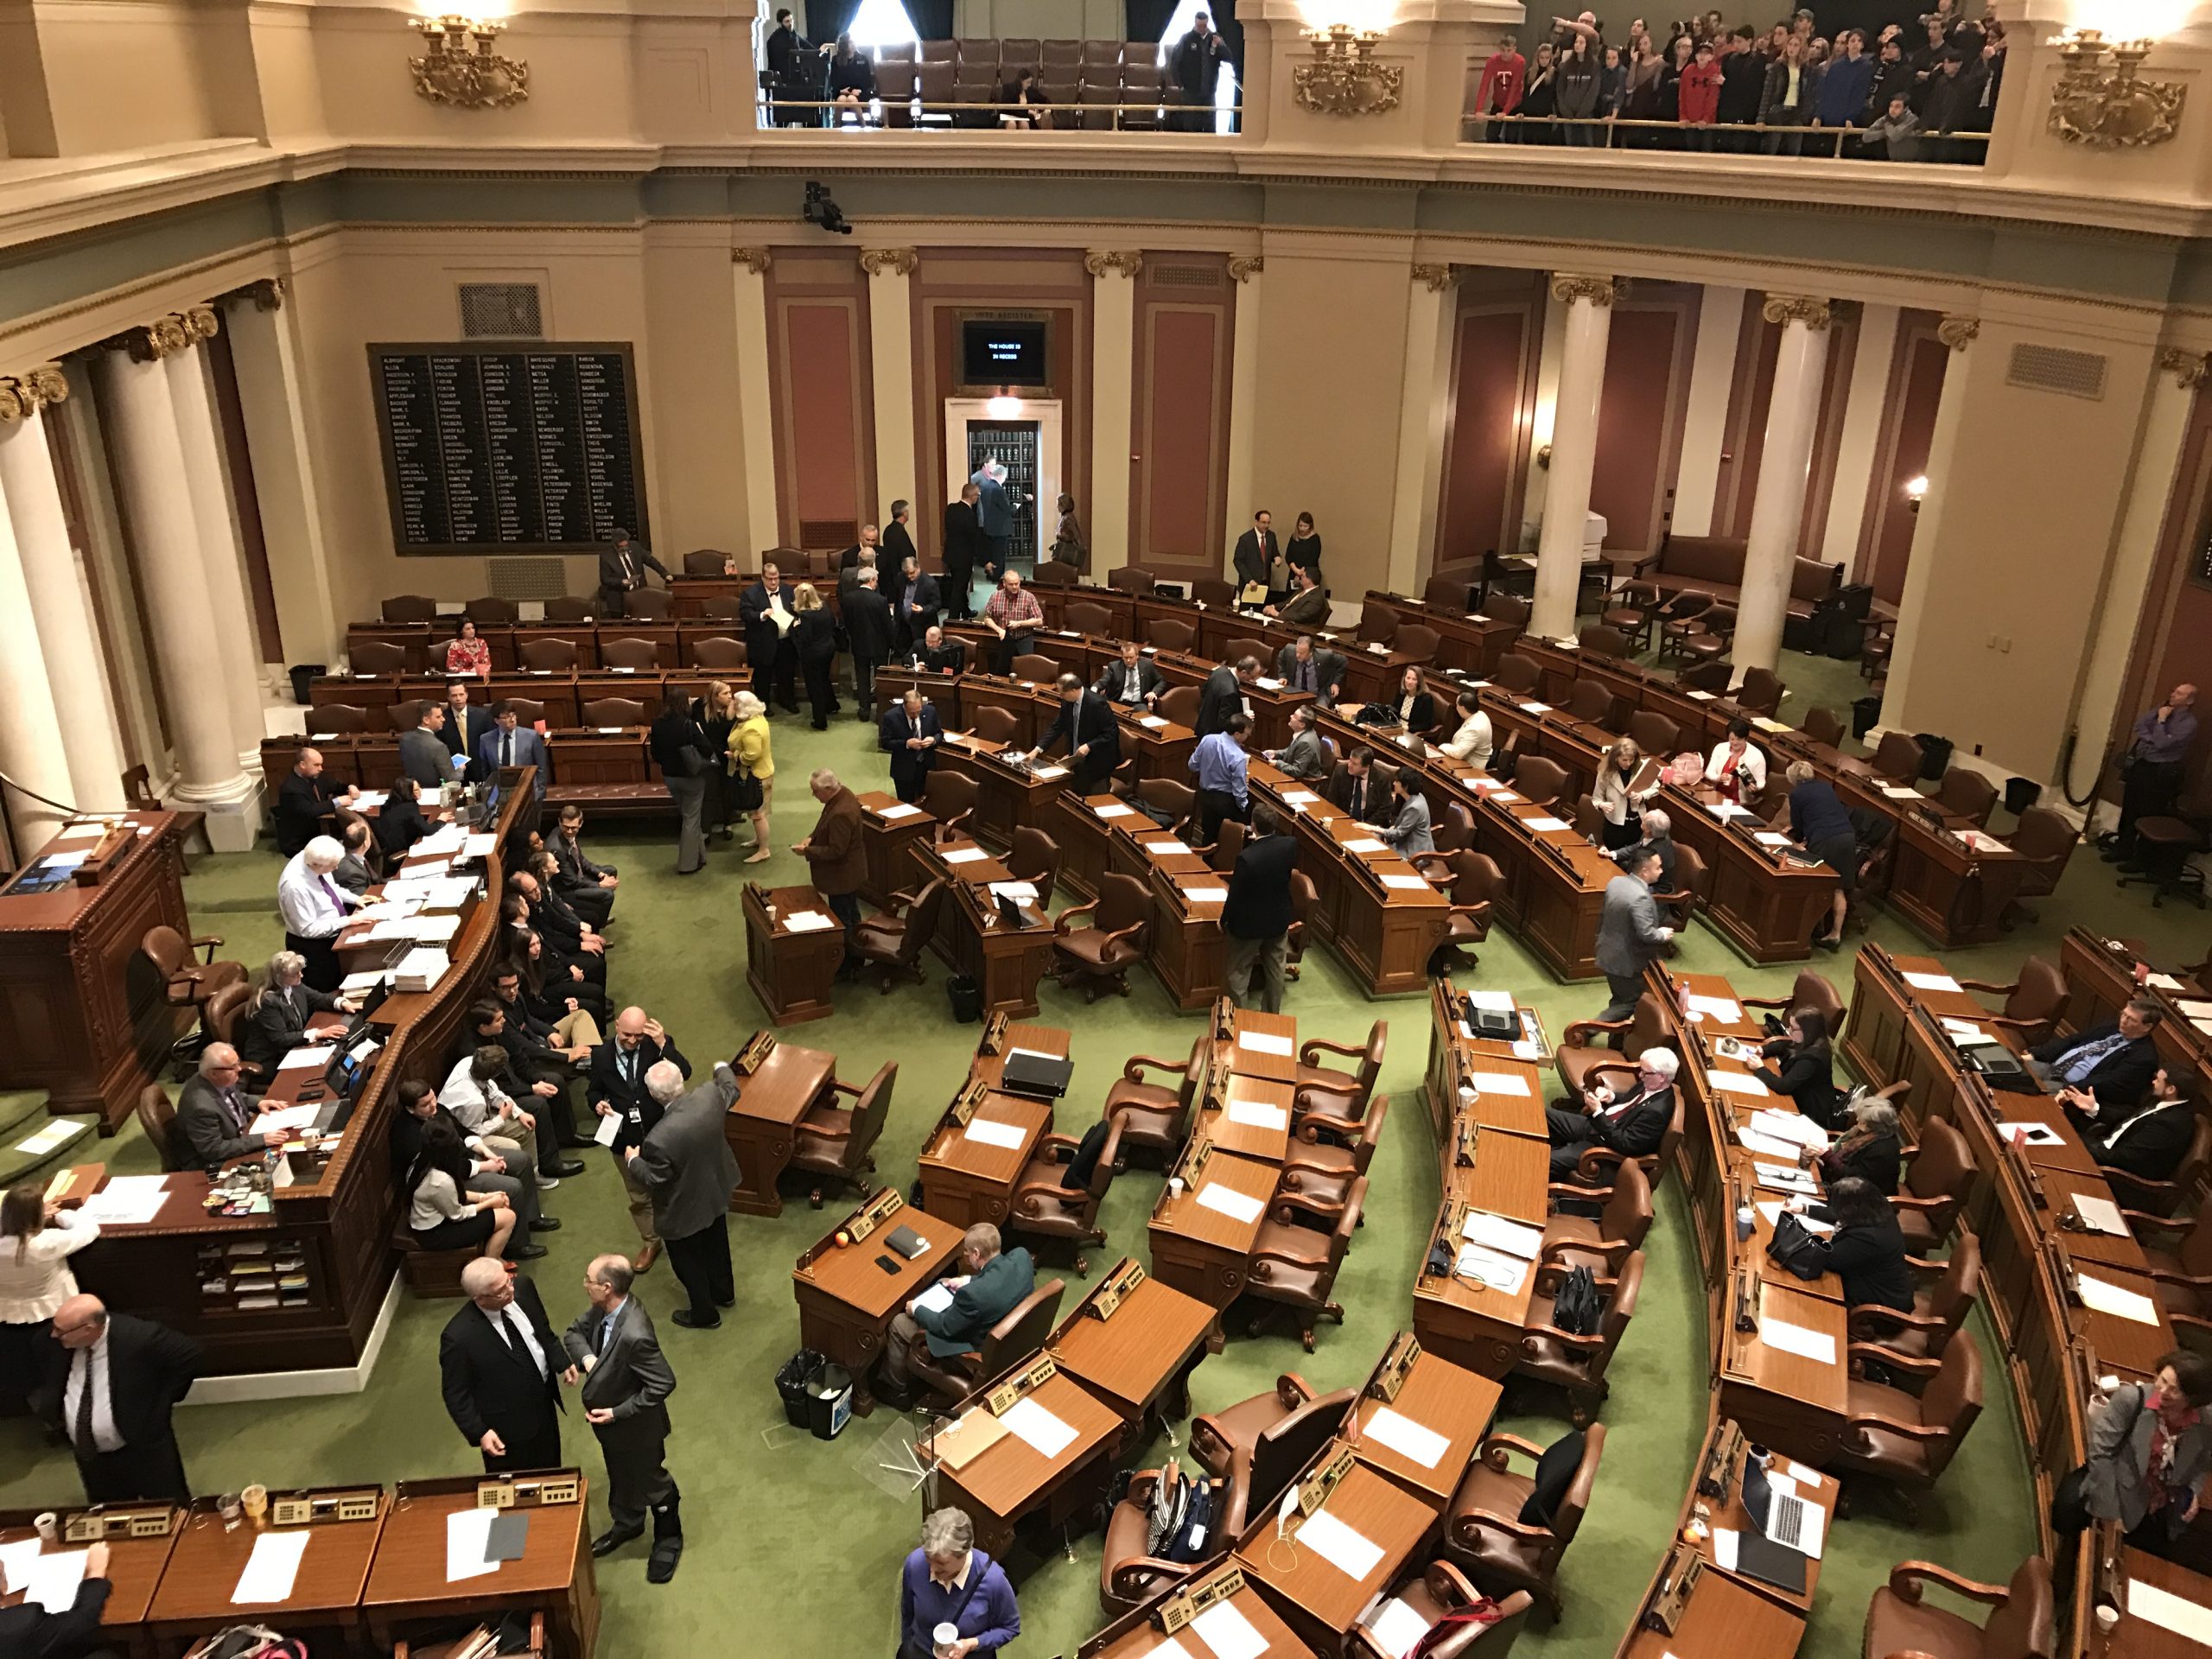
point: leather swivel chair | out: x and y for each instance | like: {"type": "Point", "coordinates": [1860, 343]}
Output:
{"type": "Point", "coordinates": [1705, 676]}
{"type": "Point", "coordinates": [892, 945]}
{"type": "Point", "coordinates": [338, 719]}
{"type": "Point", "coordinates": [2024, 1625]}
{"type": "Point", "coordinates": [1603, 1242]}
{"type": "Point", "coordinates": [1760, 692]}
{"type": "Point", "coordinates": [835, 1140]}
{"type": "Point", "coordinates": [1936, 1184]}
{"type": "Point", "coordinates": [1331, 1099]}
{"type": "Point", "coordinates": [1099, 957]}
{"type": "Point", "coordinates": [1897, 758]}
{"type": "Point", "coordinates": [705, 562]}
{"type": "Point", "coordinates": [1577, 1364]}
{"type": "Point", "coordinates": [570, 607]}
{"type": "Point", "coordinates": [1318, 1176]}
{"type": "Point", "coordinates": [1296, 1267]}
{"type": "Point", "coordinates": [1824, 727]}
{"type": "Point", "coordinates": [547, 655]}
{"type": "Point", "coordinates": [1171, 800]}
{"type": "Point", "coordinates": [188, 983]}
{"type": "Point", "coordinates": [1635, 603]}
{"type": "Point", "coordinates": [1518, 674]}
{"type": "Point", "coordinates": [1453, 828]}
{"type": "Point", "coordinates": [1038, 669]}
{"type": "Point", "coordinates": [1966, 795]}
{"type": "Point", "coordinates": [1540, 781]}
{"type": "Point", "coordinates": [1578, 1058]}
{"type": "Point", "coordinates": [1131, 578]}
{"type": "Point", "coordinates": [1170, 633]}
{"type": "Point", "coordinates": [2179, 1254]}
{"type": "Point", "coordinates": [641, 655]}
{"type": "Point", "coordinates": [1813, 989]}
{"type": "Point", "coordinates": [1035, 858]}
{"type": "Point", "coordinates": [1484, 1535]}
{"type": "Point", "coordinates": [649, 604]}
{"type": "Point", "coordinates": [719, 654]}
{"type": "Point", "coordinates": [157, 1117]}
{"type": "Point", "coordinates": [1127, 1574]}
{"type": "Point", "coordinates": [1043, 1206]}
{"type": "Point", "coordinates": [1214, 592]}
{"type": "Point", "coordinates": [1692, 888]}
{"type": "Point", "coordinates": [1178, 705]}
{"type": "Point", "coordinates": [2045, 842]}
{"type": "Point", "coordinates": [2033, 1002]}
{"type": "Point", "coordinates": [949, 1380]}
{"type": "Point", "coordinates": [1279, 1432]}
{"type": "Point", "coordinates": [1910, 1343]}
{"type": "Point", "coordinates": [614, 711]}
{"type": "Point", "coordinates": [1441, 1590]}
{"type": "Point", "coordinates": [1602, 641]}
{"type": "Point", "coordinates": [225, 1011]}
{"type": "Point", "coordinates": [1904, 1442]}
{"type": "Point", "coordinates": [1148, 1115]}
{"type": "Point", "coordinates": [997, 724]}
{"type": "Point", "coordinates": [377, 656]}
{"type": "Point", "coordinates": [951, 799]}
{"type": "Point", "coordinates": [1087, 616]}
{"type": "Point", "coordinates": [490, 608]}
{"type": "Point", "coordinates": [1591, 701]}
{"type": "Point", "coordinates": [411, 607]}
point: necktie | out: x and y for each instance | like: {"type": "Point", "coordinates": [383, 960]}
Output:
{"type": "Point", "coordinates": [606, 1331]}
{"type": "Point", "coordinates": [507, 750]}
{"type": "Point", "coordinates": [235, 1118]}
{"type": "Point", "coordinates": [630, 1066]}
{"type": "Point", "coordinates": [81, 1433]}
{"type": "Point", "coordinates": [1306, 675]}
{"type": "Point", "coordinates": [331, 887]}
{"type": "Point", "coordinates": [513, 1333]}
{"type": "Point", "coordinates": [2085, 1059]}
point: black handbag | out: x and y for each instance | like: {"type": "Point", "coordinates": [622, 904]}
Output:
{"type": "Point", "coordinates": [746, 792]}
{"type": "Point", "coordinates": [1795, 1248]}
{"type": "Point", "coordinates": [1578, 1308]}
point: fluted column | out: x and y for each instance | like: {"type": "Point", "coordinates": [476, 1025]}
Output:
{"type": "Point", "coordinates": [890, 336]}
{"type": "Point", "coordinates": [157, 496]}
{"type": "Point", "coordinates": [55, 592]}
{"type": "Point", "coordinates": [266, 353]}
{"type": "Point", "coordinates": [234, 649]}
{"type": "Point", "coordinates": [1243, 488]}
{"type": "Point", "coordinates": [1113, 403]}
{"type": "Point", "coordinates": [31, 752]}
{"type": "Point", "coordinates": [1589, 302]}
{"type": "Point", "coordinates": [1430, 315]}
{"type": "Point", "coordinates": [1793, 411]}
{"type": "Point", "coordinates": [748, 275]}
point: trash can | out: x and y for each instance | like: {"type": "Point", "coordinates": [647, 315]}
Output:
{"type": "Point", "coordinates": [1864, 711]}
{"type": "Point", "coordinates": [1934, 756]}
{"type": "Point", "coordinates": [301, 674]}
{"type": "Point", "coordinates": [800, 1369]}
{"type": "Point", "coordinates": [2020, 794]}
{"type": "Point", "coordinates": [967, 998]}
{"type": "Point", "coordinates": [829, 1402]}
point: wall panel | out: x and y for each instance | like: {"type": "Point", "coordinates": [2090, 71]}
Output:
{"type": "Point", "coordinates": [1649, 348]}
{"type": "Point", "coordinates": [1499, 334]}
{"type": "Point", "coordinates": [818, 385]}
{"type": "Point", "coordinates": [1916, 386]}
{"type": "Point", "coordinates": [1178, 475]}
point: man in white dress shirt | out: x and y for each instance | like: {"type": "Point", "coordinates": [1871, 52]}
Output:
{"type": "Point", "coordinates": [114, 1382]}
{"type": "Point", "coordinates": [315, 909]}
{"type": "Point", "coordinates": [474, 1096]}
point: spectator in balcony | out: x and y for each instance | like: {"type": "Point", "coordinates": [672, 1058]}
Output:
{"type": "Point", "coordinates": [1577, 96]}
{"type": "Point", "coordinates": [1951, 103]}
{"type": "Point", "coordinates": [1640, 97]}
{"type": "Point", "coordinates": [1505, 72]}
{"type": "Point", "coordinates": [1893, 76]}
{"type": "Point", "coordinates": [1698, 98]}
{"type": "Point", "coordinates": [1742, 78]}
{"type": "Point", "coordinates": [1678, 62]}
{"type": "Point", "coordinates": [1029, 111]}
{"type": "Point", "coordinates": [1792, 85]}
{"type": "Point", "coordinates": [1927, 55]}
{"type": "Point", "coordinates": [1613, 87]}
{"type": "Point", "coordinates": [1196, 64]}
{"type": "Point", "coordinates": [1992, 61]}
{"type": "Point", "coordinates": [1894, 135]}
{"type": "Point", "coordinates": [1540, 100]}
{"type": "Point", "coordinates": [792, 67]}
{"type": "Point", "coordinates": [852, 81]}
{"type": "Point", "coordinates": [1846, 80]}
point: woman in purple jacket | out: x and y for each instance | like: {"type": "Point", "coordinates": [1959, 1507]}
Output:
{"type": "Point", "coordinates": [949, 1581]}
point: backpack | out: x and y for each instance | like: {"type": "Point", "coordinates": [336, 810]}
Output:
{"type": "Point", "coordinates": [1577, 1307]}
{"type": "Point", "coordinates": [1188, 1541]}
{"type": "Point", "coordinates": [1076, 1176]}
{"type": "Point", "coordinates": [1795, 1247]}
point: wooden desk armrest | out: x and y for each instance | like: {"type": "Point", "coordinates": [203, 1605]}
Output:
{"type": "Point", "coordinates": [1906, 1576]}
{"type": "Point", "coordinates": [2180, 1226]}
{"type": "Point", "coordinates": [1291, 1258]}
{"type": "Point", "coordinates": [1577, 1034]}
{"type": "Point", "coordinates": [1984, 985]}
{"type": "Point", "coordinates": [206, 942]}
{"type": "Point", "coordinates": [1589, 1345]}
{"type": "Point", "coordinates": [1133, 1069]}
{"type": "Point", "coordinates": [1289, 1203]}
{"type": "Point", "coordinates": [1474, 913]}
{"type": "Point", "coordinates": [1898, 1426]}
{"type": "Point", "coordinates": [1316, 1045]}
{"type": "Point", "coordinates": [1495, 1447]}
{"type": "Point", "coordinates": [1512, 1528]}
{"type": "Point", "coordinates": [1907, 1201]}
{"type": "Point", "coordinates": [843, 1088]}
{"type": "Point", "coordinates": [1422, 860]}
{"type": "Point", "coordinates": [1909, 1364]}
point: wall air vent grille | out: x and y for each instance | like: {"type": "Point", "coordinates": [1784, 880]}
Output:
{"type": "Point", "coordinates": [1167, 276]}
{"type": "Point", "coordinates": [2053, 368]}
{"type": "Point", "coordinates": [521, 579]}
{"type": "Point", "coordinates": [500, 311]}
{"type": "Point", "coordinates": [831, 533]}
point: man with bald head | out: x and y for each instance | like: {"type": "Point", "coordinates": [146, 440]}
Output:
{"type": "Point", "coordinates": [305, 800]}
{"type": "Point", "coordinates": [500, 1370]}
{"type": "Point", "coordinates": [111, 1387]}
{"type": "Point", "coordinates": [213, 1113]}
{"type": "Point", "coordinates": [685, 1163]}
{"type": "Point", "coordinates": [615, 1356]}
{"type": "Point", "coordinates": [617, 1089]}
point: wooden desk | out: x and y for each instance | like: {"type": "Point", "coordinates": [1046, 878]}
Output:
{"type": "Point", "coordinates": [967, 1180]}
{"type": "Point", "coordinates": [194, 1596]}
{"type": "Point", "coordinates": [2136, 1637]}
{"type": "Point", "coordinates": [1141, 1356]}
{"type": "Point", "coordinates": [1511, 1177]}
{"type": "Point", "coordinates": [134, 1571]}
{"type": "Point", "coordinates": [847, 1301]}
{"type": "Point", "coordinates": [1446, 1399]}
{"type": "Point", "coordinates": [407, 1585]}
{"type": "Point", "coordinates": [1008, 797]}
{"type": "Point", "coordinates": [1732, 1517]}
{"type": "Point", "coordinates": [1132, 1635]}
{"type": "Point", "coordinates": [1083, 827]}
{"type": "Point", "coordinates": [759, 1126]}
{"type": "Point", "coordinates": [1200, 1250]}
{"type": "Point", "coordinates": [1265, 1108]}
{"type": "Point", "coordinates": [1049, 1040]}
{"type": "Point", "coordinates": [1189, 952]}
{"type": "Point", "coordinates": [1783, 1399]}
{"type": "Point", "coordinates": [1458, 1060]}
{"type": "Point", "coordinates": [1317, 1600]}
{"type": "Point", "coordinates": [1763, 902]}
{"type": "Point", "coordinates": [890, 830]}
{"type": "Point", "coordinates": [1255, 1048]}
{"type": "Point", "coordinates": [1724, 1618]}
{"type": "Point", "coordinates": [1005, 962]}
{"type": "Point", "coordinates": [1013, 1480]}
{"type": "Point", "coordinates": [792, 974]}
{"type": "Point", "coordinates": [1479, 1327]}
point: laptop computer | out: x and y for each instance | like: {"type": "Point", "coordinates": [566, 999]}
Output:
{"type": "Point", "coordinates": [1784, 1518]}
{"type": "Point", "coordinates": [2000, 1068]}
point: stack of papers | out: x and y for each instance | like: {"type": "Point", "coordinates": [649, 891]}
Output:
{"type": "Point", "coordinates": [128, 1200]}
{"type": "Point", "coordinates": [1032, 1422]}
{"type": "Point", "coordinates": [1206, 895]}
{"type": "Point", "coordinates": [1932, 983]}
{"type": "Point", "coordinates": [1006, 1137]}
{"type": "Point", "coordinates": [1544, 825]}
{"type": "Point", "coordinates": [1815, 1345]}
{"type": "Point", "coordinates": [1365, 844]}
{"type": "Point", "coordinates": [1116, 811]}
{"type": "Point", "coordinates": [896, 813]}
{"type": "Point", "coordinates": [1498, 1233]}
{"type": "Point", "coordinates": [808, 921]}
{"type": "Point", "coordinates": [420, 969]}
{"type": "Point", "coordinates": [1785, 1177]}
{"type": "Point", "coordinates": [1499, 1083]}
{"type": "Point", "coordinates": [1721, 1007]}
{"type": "Point", "coordinates": [1765, 1146]}
{"type": "Point", "coordinates": [56, 1135]}
{"type": "Point", "coordinates": [1404, 883]}
{"type": "Point", "coordinates": [1725, 810]}
{"type": "Point", "coordinates": [1793, 1127]}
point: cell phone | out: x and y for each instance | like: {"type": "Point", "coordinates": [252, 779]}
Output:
{"type": "Point", "coordinates": [889, 1264]}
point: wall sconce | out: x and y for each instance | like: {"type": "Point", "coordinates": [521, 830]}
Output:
{"type": "Point", "coordinates": [1915, 490]}
{"type": "Point", "coordinates": [2115, 111]}
{"type": "Point", "coordinates": [1343, 77]}
{"type": "Point", "coordinates": [1002, 408]}
{"type": "Point", "coordinates": [1544, 456]}
{"type": "Point", "coordinates": [459, 67]}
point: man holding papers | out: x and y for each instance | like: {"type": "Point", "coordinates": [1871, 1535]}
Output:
{"type": "Point", "coordinates": [28, 1628]}
{"type": "Point", "coordinates": [955, 1314]}
{"type": "Point", "coordinates": [1632, 1124]}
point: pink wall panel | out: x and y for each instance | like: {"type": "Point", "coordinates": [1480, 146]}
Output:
{"type": "Point", "coordinates": [1483, 448]}
{"type": "Point", "coordinates": [1916, 387]}
{"type": "Point", "coordinates": [823, 391]}
{"type": "Point", "coordinates": [1636, 427]}
{"type": "Point", "coordinates": [1185, 365]}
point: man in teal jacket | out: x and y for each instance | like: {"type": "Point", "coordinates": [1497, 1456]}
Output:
{"type": "Point", "coordinates": [993, 1286]}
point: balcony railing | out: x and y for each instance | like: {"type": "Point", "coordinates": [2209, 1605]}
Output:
{"type": "Point", "coordinates": [1720, 137]}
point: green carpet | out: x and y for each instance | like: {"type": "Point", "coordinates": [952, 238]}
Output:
{"type": "Point", "coordinates": [768, 1509]}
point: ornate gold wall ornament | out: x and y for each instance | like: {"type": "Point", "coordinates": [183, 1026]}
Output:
{"type": "Point", "coordinates": [1437, 277]}
{"type": "Point", "coordinates": [200, 323]}
{"type": "Point", "coordinates": [267, 295]}
{"type": "Point", "coordinates": [2114, 110]}
{"type": "Point", "coordinates": [1958, 333]}
{"type": "Point", "coordinates": [1786, 308]}
{"type": "Point", "coordinates": [1127, 261]}
{"type": "Point", "coordinates": [899, 261]}
{"type": "Point", "coordinates": [23, 395]}
{"type": "Point", "coordinates": [1242, 270]}
{"type": "Point", "coordinates": [756, 260]}
{"type": "Point", "coordinates": [2188, 368]}
{"type": "Point", "coordinates": [458, 66]}
{"type": "Point", "coordinates": [1343, 77]}
{"type": "Point", "coordinates": [1567, 287]}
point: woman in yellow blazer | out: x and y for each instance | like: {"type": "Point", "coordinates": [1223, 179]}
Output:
{"type": "Point", "coordinates": [752, 769]}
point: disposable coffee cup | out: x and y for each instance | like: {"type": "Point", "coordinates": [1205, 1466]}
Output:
{"type": "Point", "coordinates": [1174, 1186]}
{"type": "Point", "coordinates": [50, 1527]}
{"type": "Point", "coordinates": [2108, 1619]}
{"type": "Point", "coordinates": [945, 1636]}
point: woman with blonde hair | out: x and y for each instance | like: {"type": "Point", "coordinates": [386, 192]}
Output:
{"type": "Point", "coordinates": [814, 640]}
{"type": "Point", "coordinates": [752, 762]}
{"type": "Point", "coordinates": [1619, 803]}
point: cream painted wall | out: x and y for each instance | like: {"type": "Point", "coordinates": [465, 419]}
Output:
{"type": "Point", "coordinates": [126, 74]}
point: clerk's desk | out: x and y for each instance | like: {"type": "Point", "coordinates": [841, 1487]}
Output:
{"type": "Point", "coordinates": [1317, 1598]}
{"type": "Point", "coordinates": [408, 1589]}
{"type": "Point", "coordinates": [1138, 1633]}
{"type": "Point", "coordinates": [1011, 1481]}
{"type": "Point", "coordinates": [972, 935]}
{"type": "Point", "coordinates": [793, 972]}
{"type": "Point", "coordinates": [772, 1097]}
{"type": "Point", "coordinates": [134, 1571]}
{"type": "Point", "coordinates": [83, 1015]}
{"type": "Point", "coordinates": [193, 1599]}
{"type": "Point", "coordinates": [847, 1300]}
{"type": "Point", "coordinates": [1135, 1348]}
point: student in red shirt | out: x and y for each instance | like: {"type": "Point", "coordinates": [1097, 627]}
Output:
{"type": "Point", "coordinates": [1500, 91]}
{"type": "Point", "coordinates": [1700, 102]}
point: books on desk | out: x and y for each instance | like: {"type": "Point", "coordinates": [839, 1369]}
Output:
{"type": "Point", "coordinates": [420, 969]}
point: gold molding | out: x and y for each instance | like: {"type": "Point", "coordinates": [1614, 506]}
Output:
{"type": "Point", "coordinates": [1343, 77]}
{"type": "Point", "coordinates": [200, 323]}
{"type": "Point", "coordinates": [267, 295]}
{"type": "Point", "coordinates": [2189, 369]}
{"type": "Point", "coordinates": [23, 395]}
{"type": "Point", "coordinates": [1128, 262]}
{"type": "Point", "coordinates": [1786, 308]}
{"type": "Point", "coordinates": [458, 66]}
{"type": "Point", "coordinates": [1958, 333]}
{"type": "Point", "coordinates": [756, 260]}
{"type": "Point", "coordinates": [899, 262]}
{"type": "Point", "coordinates": [1567, 287]}
{"type": "Point", "coordinates": [2115, 111]}
{"type": "Point", "coordinates": [1243, 269]}
{"type": "Point", "coordinates": [1437, 278]}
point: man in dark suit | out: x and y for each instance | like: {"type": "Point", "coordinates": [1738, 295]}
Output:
{"type": "Point", "coordinates": [994, 510]}
{"type": "Point", "coordinates": [837, 857]}
{"type": "Point", "coordinates": [765, 610]}
{"type": "Point", "coordinates": [213, 1112]}
{"type": "Point", "coordinates": [424, 754]}
{"type": "Point", "coordinates": [588, 887]}
{"type": "Point", "coordinates": [2113, 1061]}
{"type": "Point", "coordinates": [993, 1286]}
{"type": "Point", "coordinates": [1632, 1124]}
{"type": "Point", "coordinates": [563, 930]}
{"type": "Point", "coordinates": [622, 567]}
{"type": "Point", "coordinates": [939, 655]}
{"type": "Point", "coordinates": [1093, 736]}
{"type": "Point", "coordinates": [28, 1630]}
{"type": "Point", "coordinates": [500, 1370]}
{"type": "Point", "coordinates": [497, 1168]}
{"type": "Point", "coordinates": [530, 1083]}
{"type": "Point", "coordinates": [304, 800]}
{"type": "Point", "coordinates": [1256, 551]}
{"type": "Point", "coordinates": [1631, 935]}
{"type": "Point", "coordinates": [465, 724]}
{"type": "Point", "coordinates": [1308, 606]}
{"type": "Point", "coordinates": [1224, 695]}
{"type": "Point", "coordinates": [851, 559]}
{"type": "Point", "coordinates": [867, 626]}
{"type": "Point", "coordinates": [914, 607]}
{"type": "Point", "coordinates": [1255, 919]}
{"type": "Point", "coordinates": [615, 1355]}
{"type": "Point", "coordinates": [111, 1387]}
{"type": "Point", "coordinates": [617, 1089]}
{"type": "Point", "coordinates": [1303, 667]}
{"type": "Point", "coordinates": [1131, 680]}
{"type": "Point", "coordinates": [963, 545]}
{"type": "Point", "coordinates": [1353, 788]}
{"type": "Point", "coordinates": [898, 547]}
{"type": "Point", "coordinates": [2149, 1142]}
{"type": "Point", "coordinates": [910, 734]}
{"type": "Point", "coordinates": [685, 1162]}
{"type": "Point", "coordinates": [511, 743]}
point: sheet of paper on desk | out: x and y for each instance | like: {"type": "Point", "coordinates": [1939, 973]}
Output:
{"type": "Point", "coordinates": [128, 1200]}
{"type": "Point", "coordinates": [468, 1533]}
{"type": "Point", "coordinates": [2162, 982]}
{"type": "Point", "coordinates": [2099, 1215]}
{"type": "Point", "coordinates": [1022, 893]}
{"type": "Point", "coordinates": [1264, 1042]}
{"type": "Point", "coordinates": [1006, 1135]}
{"type": "Point", "coordinates": [1258, 1115]}
{"type": "Point", "coordinates": [1032, 1422]}
{"type": "Point", "coordinates": [1228, 1201]}
{"type": "Point", "coordinates": [16, 1560]}
{"type": "Point", "coordinates": [1721, 1007]}
{"type": "Point", "coordinates": [271, 1568]}
{"type": "Point", "coordinates": [1394, 1626]}
{"type": "Point", "coordinates": [1171, 1648]}
{"type": "Point", "coordinates": [1536, 708]}
{"type": "Point", "coordinates": [2195, 1010]}
{"type": "Point", "coordinates": [1151, 723]}
{"type": "Point", "coordinates": [1117, 811]}
{"type": "Point", "coordinates": [1790, 1338]}
{"type": "Point", "coordinates": [53, 1579]}
{"type": "Point", "coordinates": [1788, 1126]}
{"type": "Point", "coordinates": [1223, 1628]}
{"type": "Point", "coordinates": [1725, 810]}
{"type": "Point", "coordinates": [1499, 1001]}
{"type": "Point", "coordinates": [1206, 895]}
{"type": "Point", "coordinates": [1492, 1269]}
{"type": "Point", "coordinates": [1736, 1082]}
{"type": "Point", "coordinates": [808, 921]}
{"type": "Point", "coordinates": [1299, 796]}
{"type": "Point", "coordinates": [1931, 981]}
{"type": "Point", "coordinates": [479, 846]}
{"type": "Point", "coordinates": [368, 979]}
{"type": "Point", "coordinates": [1723, 1547]}
{"type": "Point", "coordinates": [901, 811]}
{"type": "Point", "coordinates": [1765, 1146]}
{"type": "Point", "coordinates": [609, 1127]}
{"type": "Point", "coordinates": [1365, 844]}
{"type": "Point", "coordinates": [58, 1132]}
{"type": "Point", "coordinates": [2031, 1135]}
{"type": "Point", "coordinates": [965, 855]}
{"type": "Point", "coordinates": [1771, 1209]}
{"type": "Point", "coordinates": [1544, 825]}
{"type": "Point", "coordinates": [1168, 845]}
{"type": "Point", "coordinates": [1897, 793]}
{"type": "Point", "coordinates": [2122, 1303]}
{"type": "Point", "coordinates": [1048, 773]}
{"type": "Point", "coordinates": [1404, 883]}
{"type": "Point", "coordinates": [1339, 1545]}
{"type": "Point", "coordinates": [303, 1060]}
{"type": "Point", "coordinates": [1502, 1235]}
{"type": "Point", "coordinates": [937, 1298]}
{"type": "Point", "coordinates": [1499, 1083]}
{"type": "Point", "coordinates": [2184, 1618]}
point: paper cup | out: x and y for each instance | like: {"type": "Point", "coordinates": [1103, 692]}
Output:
{"type": "Point", "coordinates": [2108, 1619]}
{"type": "Point", "coordinates": [50, 1527]}
{"type": "Point", "coordinates": [945, 1637]}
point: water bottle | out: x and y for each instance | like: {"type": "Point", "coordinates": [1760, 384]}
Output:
{"type": "Point", "coordinates": [1744, 1220]}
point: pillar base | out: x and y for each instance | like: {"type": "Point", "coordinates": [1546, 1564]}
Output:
{"type": "Point", "coordinates": [234, 810]}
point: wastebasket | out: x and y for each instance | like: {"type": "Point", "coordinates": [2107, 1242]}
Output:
{"type": "Point", "coordinates": [800, 1369]}
{"type": "Point", "coordinates": [301, 674]}
{"type": "Point", "coordinates": [1864, 711]}
{"type": "Point", "coordinates": [1934, 756]}
{"type": "Point", "coordinates": [2020, 794]}
{"type": "Point", "coordinates": [967, 998]}
{"type": "Point", "coordinates": [829, 1402]}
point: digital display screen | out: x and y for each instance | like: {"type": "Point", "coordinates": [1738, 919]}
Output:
{"type": "Point", "coordinates": [1003, 354]}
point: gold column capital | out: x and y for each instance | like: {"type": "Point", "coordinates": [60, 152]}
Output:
{"type": "Point", "coordinates": [1567, 287]}
{"type": "Point", "coordinates": [267, 295]}
{"type": "Point", "coordinates": [1437, 278]}
{"type": "Point", "coordinates": [151, 342]}
{"type": "Point", "coordinates": [2188, 368]}
{"type": "Point", "coordinates": [1243, 269]}
{"type": "Point", "coordinates": [1127, 261]}
{"type": "Point", "coordinates": [200, 323]}
{"type": "Point", "coordinates": [1786, 308]}
{"type": "Point", "coordinates": [756, 260]}
{"type": "Point", "coordinates": [23, 396]}
{"type": "Point", "coordinates": [899, 262]}
{"type": "Point", "coordinates": [1958, 333]}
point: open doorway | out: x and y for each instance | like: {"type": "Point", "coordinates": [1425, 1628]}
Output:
{"type": "Point", "coordinates": [1023, 434]}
